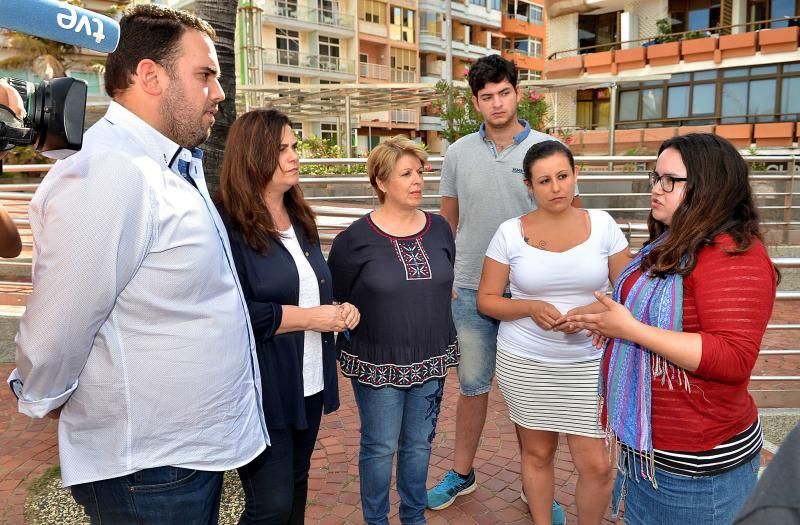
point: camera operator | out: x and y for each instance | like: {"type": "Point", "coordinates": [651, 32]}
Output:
{"type": "Point", "coordinates": [10, 243]}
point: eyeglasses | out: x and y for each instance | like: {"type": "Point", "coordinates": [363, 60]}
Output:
{"type": "Point", "coordinates": [667, 181]}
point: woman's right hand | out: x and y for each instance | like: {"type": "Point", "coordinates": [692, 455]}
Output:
{"type": "Point", "coordinates": [335, 317]}
{"type": "Point", "coordinates": [544, 314]}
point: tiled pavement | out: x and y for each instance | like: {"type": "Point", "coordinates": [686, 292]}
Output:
{"type": "Point", "coordinates": [28, 447]}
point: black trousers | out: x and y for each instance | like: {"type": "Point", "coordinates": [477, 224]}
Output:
{"type": "Point", "coordinates": [276, 482]}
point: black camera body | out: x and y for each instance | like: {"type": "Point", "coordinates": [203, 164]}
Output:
{"type": "Point", "coordinates": [56, 110]}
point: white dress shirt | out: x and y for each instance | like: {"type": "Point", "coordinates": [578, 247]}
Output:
{"type": "Point", "coordinates": [136, 324]}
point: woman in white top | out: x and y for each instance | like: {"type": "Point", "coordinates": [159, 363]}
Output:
{"type": "Point", "coordinates": [287, 286]}
{"type": "Point", "coordinates": [552, 260]}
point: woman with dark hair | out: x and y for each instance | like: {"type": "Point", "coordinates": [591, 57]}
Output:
{"type": "Point", "coordinates": [697, 299]}
{"type": "Point", "coordinates": [287, 287]}
{"type": "Point", "coordinates": [552, 260]}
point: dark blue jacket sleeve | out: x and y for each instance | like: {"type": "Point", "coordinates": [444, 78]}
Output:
{"type": "Point", "coordinates": [265, 317]}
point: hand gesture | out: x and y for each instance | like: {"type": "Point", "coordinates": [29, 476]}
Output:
{"type": "Point", "coordinates": [545, 315]}
{"type": "Point", "coordinates": [568, 327]}
{"type": "Point", "coordinates": [615, 321]}
{"type": "Point", "coordinates": [349, 315]}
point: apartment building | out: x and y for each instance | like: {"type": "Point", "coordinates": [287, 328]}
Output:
{"type": "Point", "coordinates": [388, 53]}
{"type": "Point", "coordinates": [667, 67]}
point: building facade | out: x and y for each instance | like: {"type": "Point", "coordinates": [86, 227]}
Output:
{"type": "Point", "coordinates": [667, 67]}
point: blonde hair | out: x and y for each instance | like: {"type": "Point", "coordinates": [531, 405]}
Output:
{"type": "Point", "coordinates": [385, 155]}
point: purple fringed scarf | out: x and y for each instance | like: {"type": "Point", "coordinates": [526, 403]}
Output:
{"type": "Point", "coordinates": [626, 390]}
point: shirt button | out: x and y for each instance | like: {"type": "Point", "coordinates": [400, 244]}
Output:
{"type": "Point", "coordinates": [306, 254]}
{"type": "Point", "coordinates": [322, 281]}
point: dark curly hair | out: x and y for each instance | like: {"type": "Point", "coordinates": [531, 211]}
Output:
{"type": "Point", "coordinates": [491, 68]}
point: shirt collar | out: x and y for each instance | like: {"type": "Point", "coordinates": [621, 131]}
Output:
{"type": "Point", "coordinates": [163, 150]}
{"type": "Point", "coordinates": [519, 137]}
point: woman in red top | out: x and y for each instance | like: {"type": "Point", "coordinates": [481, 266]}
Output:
{"type": "Point", "coordinates": [697, 299]}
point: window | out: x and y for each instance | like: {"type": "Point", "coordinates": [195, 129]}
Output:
{"type": "Point", "coordinates": [286, 8]}
{"type": "Point", "coordinates": [527, 12]}
{"type": "Point", "coordinates": [694, 15]}
{"type": "Point", "coordinates": [770, 9]}
{"type": "Point", "coordinates": [297, 129]}
{"type": "Point", "coordinates": [527, 46]}
{"type": "Point", "coordinates": [328, 53]}
{"type": "Point", "coordinates": [528, 74]}
{"type": "Point", "coordinates": [728, 96]}
{"type": "Point", "coordinates": [431, 23]}
{"type": "Point", "coordinates": [401, 23]}
{"type": "Point", "coordinates": [478, 2]}
{"type": "Point", "coordinates": [598, 30]}
{"type": "Point", "coordinates": [403, 63]}
{"type": "Point", "coordinates": [288, 44]}
{"type": "Point", "coordinates": [284, 79]}
{"type": "Point", "coordinates": [593, 108]}
{"type": "Point", "coordinates": [371, 11]}
{"type": "Point", "coordinates": [329, 132]}
{"type": "Point", "coordinates": [91, 78]}
{"type": "Point", "coordinates": [328, 12]}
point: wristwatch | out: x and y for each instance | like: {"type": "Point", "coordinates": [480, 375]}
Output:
{"type": "Point", "coordinates": [16, 387]}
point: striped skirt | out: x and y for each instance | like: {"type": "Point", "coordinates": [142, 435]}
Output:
{"type": "Point", "coordinates": [556, 397]}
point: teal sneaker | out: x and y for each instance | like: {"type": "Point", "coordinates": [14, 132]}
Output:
{"type": "Point", "coordinates": [452, 486]}
{"type": "Point", "coordinates": [559, 518]}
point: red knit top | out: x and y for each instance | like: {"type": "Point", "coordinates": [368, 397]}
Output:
{"type": "Point", "coordinates": [728, 300]}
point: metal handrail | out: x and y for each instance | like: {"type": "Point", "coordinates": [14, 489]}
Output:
{"type": "Point", "coordinates": [711, 32]}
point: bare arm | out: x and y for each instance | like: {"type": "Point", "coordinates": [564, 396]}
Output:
{"type": "Point", "coordinates": [491, 301]}
{"type": "Point", "coordinates": [10, 243]}
{"type": "Point", "coordinates": [449, 210]}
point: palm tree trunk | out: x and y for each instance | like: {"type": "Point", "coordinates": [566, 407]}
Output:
{"type": "Point", "coordinates": [221, 14]}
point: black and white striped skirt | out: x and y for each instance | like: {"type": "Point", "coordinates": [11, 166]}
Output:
{"type": "Point", "coordinates": [556, 397]}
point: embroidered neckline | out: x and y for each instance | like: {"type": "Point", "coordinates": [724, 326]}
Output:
{"type": "Point", "coordinates": [382, 233]}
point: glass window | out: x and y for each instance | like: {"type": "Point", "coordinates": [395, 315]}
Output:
{"type": "Point", "coordinates": [762, 99]}
{"type": "Point", "coordinates": [536, 15]}
{"type": "Point", "coordinates": [402, 24]}
{"type": "Point", "coordinates": [678, 102]}
{"type": "Point", "coordinates": [629, 105]}
{"type": "Point", "coordinates": [679, 78]}
{"type": "Point", "coordinates": [780, 9]}
{"type": "Point", "coordinates": [371, 11]}
{"type": "Point", "coordinates": [734, 101]}
{"type": "Point", "coordinates": [478, 2]}
{"type": "Point", "coordinates": [329, 132]}
{"type": "Point", "coordinates": [764, 70]}
{"type": "Point", "coordinates": [651, 103]}
{"type": "Point", "coordinates": [734, 73]}
{"type": "Point", "coordinates": [704, 99]}
{"type": "Point", "coordinates": [790, 101]}
{"type": "Point", "coordinates": [791, 68]}
{"type": "Point", "coordinates": [705, 75]}
{"type": "Point", "coordinates": [91, 78]}
{"type": "Point", "coordinates": [288, 44]}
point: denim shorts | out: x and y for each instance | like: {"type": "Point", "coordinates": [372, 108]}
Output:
{"type": "Point", "coordinates": [680, 500]}
{"type": "Point", "coordinates": [477, 340]}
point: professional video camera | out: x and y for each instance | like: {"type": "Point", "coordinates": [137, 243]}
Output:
{"type": "Point", "coordinates": [54, 121]}
{"type": "Point", "coordinates": [55, 108]}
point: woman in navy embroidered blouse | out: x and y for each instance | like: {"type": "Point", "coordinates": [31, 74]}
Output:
{"type": "Point", "coordinates": [287, 286]}
{"type": "Point", "coordinates": [396, 266]}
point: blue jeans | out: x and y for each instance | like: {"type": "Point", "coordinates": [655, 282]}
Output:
{"type": "Point", "coordinates": [477, 341]}
{"type": "Point", "coordinates": [402, 420]}
{"type": "Point", "coordinates": [679, 500]}
{"type": "Point", "coordinates": [276, 482]}
{"type": "Point", "coordinates": [156, 496]}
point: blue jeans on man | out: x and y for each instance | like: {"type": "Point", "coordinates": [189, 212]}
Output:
{"type": "Point", "coordinates": [156, 496]}
{"type": "Point", "coordinates": [401, 420]}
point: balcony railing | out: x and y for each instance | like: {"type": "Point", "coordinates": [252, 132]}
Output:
{"type": "Point", "coordinates": [286, 57]}
{"type": "Point", "coordinates": [376, 71]}
{"type": "Point", "coordinates": [403, 116]}
{"type": "Point", "coordinates": [403, 75]}
{"type": "Point", "coordinates": [326, 17]}
{"type": "Point", "coordinates": [670, 37]}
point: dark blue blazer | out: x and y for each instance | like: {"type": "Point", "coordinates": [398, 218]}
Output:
{"type": "Point", "coordinates": [269, 281]}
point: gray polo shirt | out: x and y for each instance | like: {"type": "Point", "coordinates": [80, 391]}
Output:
{"type": "Point", "coordinates": [490, 190]}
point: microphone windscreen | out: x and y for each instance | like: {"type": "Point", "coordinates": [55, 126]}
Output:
{"type": "Point", "coordinates": [61, 22]}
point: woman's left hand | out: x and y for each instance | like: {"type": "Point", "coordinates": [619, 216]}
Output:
{"type": "Point", "coordinates": [349, 314]}
{"type": "Point", "coordinates": [615, 321]}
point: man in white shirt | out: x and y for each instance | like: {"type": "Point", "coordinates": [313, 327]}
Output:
{"type": "Point", "coordinates": [137, 329]}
